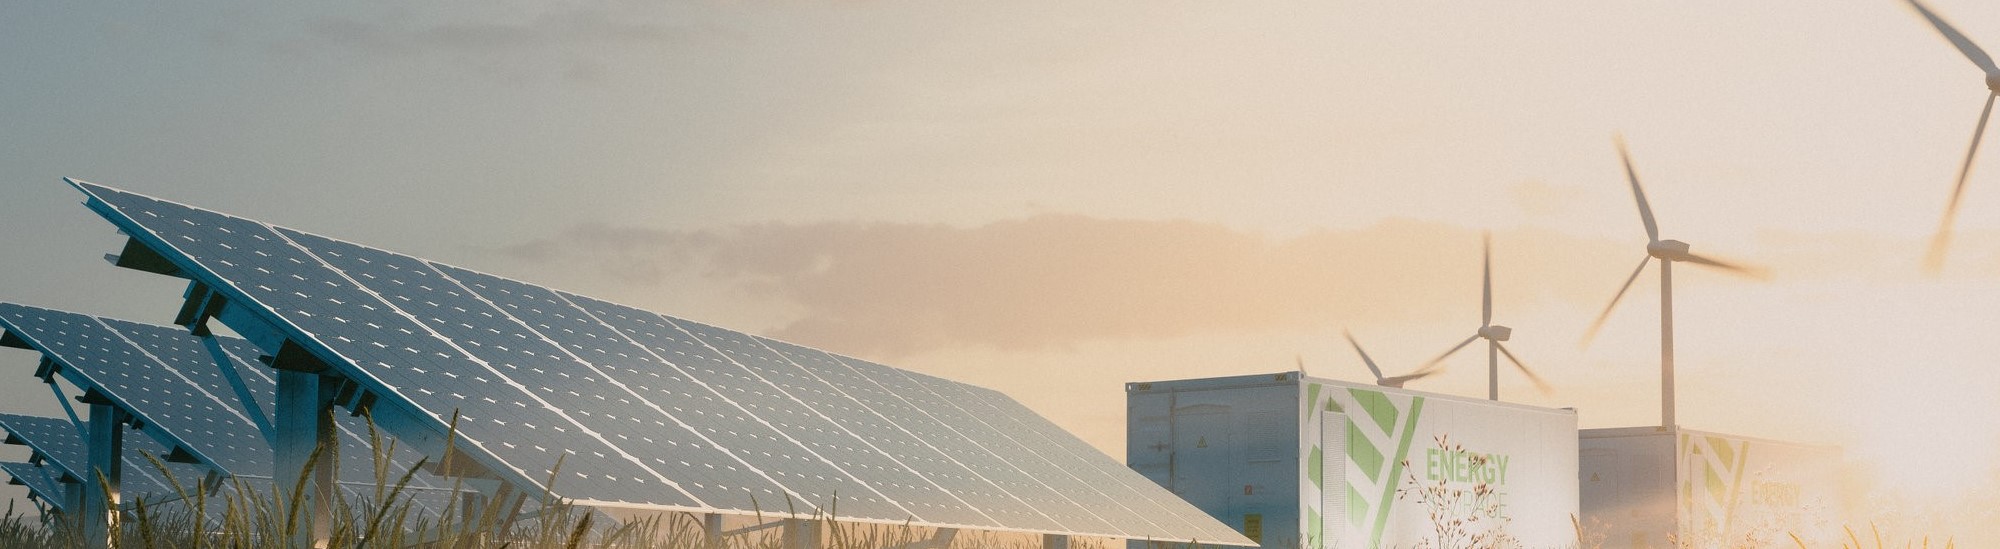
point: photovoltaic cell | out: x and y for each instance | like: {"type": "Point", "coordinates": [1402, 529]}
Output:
{"type": "Point", "coordinates": [647, 411]}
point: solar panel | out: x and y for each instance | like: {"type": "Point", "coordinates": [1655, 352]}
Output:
{"type": "Point", "coordinates": [60, 446]}
{"type": "Point", "coordinates": [645, 411]}
{"type": "Point", "coordinates": [54, 442]}
{"type": "Point", "coordinates": [41, 483]}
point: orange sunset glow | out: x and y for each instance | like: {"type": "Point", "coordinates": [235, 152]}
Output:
{"type": "Point", "coordinates": [1052, 200]}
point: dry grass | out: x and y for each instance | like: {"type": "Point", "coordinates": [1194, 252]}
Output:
{"type": "Point", "coordinates": [243, 515]}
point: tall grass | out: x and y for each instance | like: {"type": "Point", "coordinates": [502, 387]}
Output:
{"type": "Point", "coordinates": [240, 514]}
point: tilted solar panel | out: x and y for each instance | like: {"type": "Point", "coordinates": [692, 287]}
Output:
{"type": "Point", "coordinates": [56, 442]}
{"type": "Point", "coordinates": [650, 412]}
{"type": "Point", "coordinates": [41, 482]}
{"type": "Point", "coordinates": [61, 447]}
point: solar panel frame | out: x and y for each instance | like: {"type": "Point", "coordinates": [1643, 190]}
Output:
{"type": "Point", "coordinates": [742, 370]}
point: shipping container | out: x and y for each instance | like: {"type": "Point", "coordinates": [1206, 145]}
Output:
{"type": "Point", "coordinates": [1658, 487]}
{"type": "Point", "coordinates": [1298, 462]}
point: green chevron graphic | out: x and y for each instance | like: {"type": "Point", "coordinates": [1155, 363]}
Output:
{"type": "Point", "coordinates": [1712, 483]}
{"type": "Point", "coordinates": [1380, 429]}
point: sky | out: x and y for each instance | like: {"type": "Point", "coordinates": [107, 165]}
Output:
{"type": "Point", "coordinates": [1052, 199]}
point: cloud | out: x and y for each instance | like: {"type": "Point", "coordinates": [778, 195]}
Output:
{"type": "Point", "coordinates": [1051, 281]}
{"type": "Point", "coordinates": [1055, 281]}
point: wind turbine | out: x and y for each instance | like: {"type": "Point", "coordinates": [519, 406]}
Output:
{"type": "Point", "coordinates": [1668, 252]}
{"type": "Point", "coordinates": [1934, 260]}
{"type": "Point", "coordinates": [1493, 336]}
{"type": "Point", "coordinates": [1396, 381]}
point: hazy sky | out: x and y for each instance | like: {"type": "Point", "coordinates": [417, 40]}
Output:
{"type": "Point", "coordinates": [1052, 199]}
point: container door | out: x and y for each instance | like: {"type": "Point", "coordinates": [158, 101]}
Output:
{"type": "Point", "coordinates": [1203, 464]}
{"type": "Point", "coordinates": [1333, 477]}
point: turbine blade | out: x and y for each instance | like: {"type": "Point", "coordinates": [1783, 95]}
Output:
{"type": "Point", "coordinates": [1599, 323]}
{"type": "Point", "coordinates": [1486, 292]}
{"type": "Point", "coordinates": [1540, 385]}
{"type": "Point", "coordinates": [1965, 45]}
{"type": "Point", "coordinates": [1645, 209]}
{"type": "Point", "coordinates": [1364, 355]}
{"type": "Point", "coordinates": [1398, 381]}
{"type": "Point", "coordinates": [1757, 273]}
{"type": "Point", "coordinates": [1934, 260]}
{"type": "Point", "coordinates": [1440, 358]}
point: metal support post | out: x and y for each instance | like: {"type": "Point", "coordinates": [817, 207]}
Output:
{"type": "Point", "coordinates": [106, 452]}
{"type": "Point", "coordinates": [1055, 541]}
{"type": "Point", "coordinates": [73, 501]}
{"type": "Point", "coordinates": [1667, 344]}
{"type": "Point", "coordinates": [304, 424]}
{"type": "Point", "coordinates": [802, 534]}
{"type": "Point", "coordinates": [711, 529]}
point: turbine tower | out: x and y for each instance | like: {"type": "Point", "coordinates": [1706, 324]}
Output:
{"type": "Point", "coordinates": [1492, 334]}
{"type": "Point", "coordinates": [1934, 260]}
{"type": "Point", "coordinates": [1396, 381]}
{"type": "Point", "coordinates": [1668, 252]}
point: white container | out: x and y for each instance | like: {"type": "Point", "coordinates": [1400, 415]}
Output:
{"type": "Point", "coordinates": [1250, 451]}
{"type": "Point", "coordinates": [1659, 487]}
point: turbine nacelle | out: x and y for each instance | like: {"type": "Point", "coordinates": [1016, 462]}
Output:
{"type": "Point", "coordinates": [1670, 250]}
{"type": "Point", "coordinates": [1495, 333]}
{"type": "Point", "coordinates": [1993, 82]}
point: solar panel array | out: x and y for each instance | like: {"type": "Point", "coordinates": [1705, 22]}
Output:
{"type": "Point", "coordinates": [175, 384]}
{"type": "Point", "coordinates": [60, 445]}
{"type": "Point", "coordinates": [647, 411]}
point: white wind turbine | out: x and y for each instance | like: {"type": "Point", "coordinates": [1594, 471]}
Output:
{"type": "Point", "coordinates": [1934, 260]}
{"type": "Point", "coordinates": [1493, 336]}
{"type": "Point", "coordinates": [1668, 252]}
